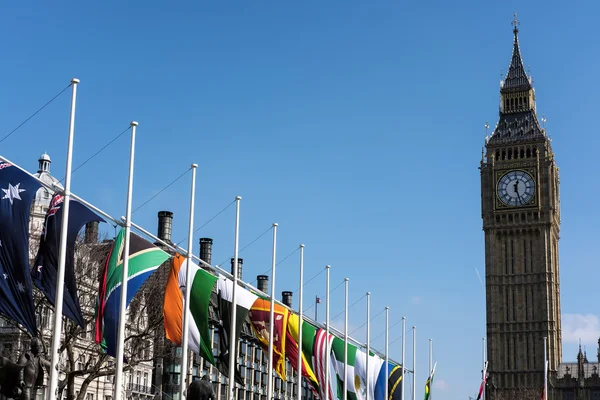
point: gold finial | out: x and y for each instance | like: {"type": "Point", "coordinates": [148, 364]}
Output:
{"type": "Point", "coordinates": [515, 23]}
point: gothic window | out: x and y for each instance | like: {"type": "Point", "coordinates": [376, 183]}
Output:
{"type": "Point", "coordinates": [526, 123]}
{"type": "Point", "coordinates": [503, 155]}
{"type": "Point", "coordinates": [532, 297]}
{"type": "Point", "coordinates": [514, 307]}
{"type": "Point", "coordinates": [497, 155]}
{"type": "Point", "coordinates": [527, 353]}
{"type": "Point", "coordinates": [514, 353]}
{"type": "Point", "coordinates": [534, 151]}
{"type": "Point", "coordinates": [512, 256]}
{"type": "Point", "coordinates": [527, 313]}
{"type": "Point", "coordinates": [531, 255]}
{"type": "Point", "coordinates": [522, 151]}
{"type": "Point", "coordinates": [528, 152]}
{"type": "Point", "coordinates": [506, 105]}
{"type": "Point", "coordinates": [506, 259]}
{"type": "Point", "coordinates": [524, 250]}
{"type": "Point", "coordinates": [505, 292]}
{"type": "Point", "coordinates": [509, 152]}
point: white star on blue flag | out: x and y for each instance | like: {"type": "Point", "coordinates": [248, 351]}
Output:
{"type": "Point", "coordinates": [12, 192]}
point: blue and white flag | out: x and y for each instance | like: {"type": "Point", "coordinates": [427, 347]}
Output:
{"type": "Point", "coordinates": [17, 190]}
{"type": "Point", "coordinates": [45, 267]}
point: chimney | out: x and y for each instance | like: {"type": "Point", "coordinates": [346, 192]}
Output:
{"type": "Point", "coordinates": [165, 225]}
{"type": "Point", "coordinates": [286, 298]}
{"type": "Point", "coordinates": [262, 283]}
{"type": "Point", "coordinates": [239, 270]}
{"type": "Point", "coordinates": [91, 232]}
{"type": "Point", "coordinates": [206, 249]}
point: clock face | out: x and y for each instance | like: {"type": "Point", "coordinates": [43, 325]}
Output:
{"type": "Point", "coordinates": [516, 188]}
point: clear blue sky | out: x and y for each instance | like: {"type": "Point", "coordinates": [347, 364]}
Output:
{"type": "Point", "coordinates": [357, 126]}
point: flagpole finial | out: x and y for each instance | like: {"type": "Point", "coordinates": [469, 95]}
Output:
{"type": "Point", "coordinates": [133, 123]}
{"type": "Point", "coordinates": [346, 279]}
{"type": "Point", "coordinates": [368, 293]}
{"type": "Point", "coordinates": [387, 308]}
{"type": "Point", "coordinates": [238, 197]}
{"type": "Point", "coordinates": [328, 266]}
{"type": "Point", "coordinates": [194, 165]}
{"type": "Point", "coordinates": [301, 246]}
{"type": "Point", "coordinates": [74, 80]}
{"type": "Point", "coordinates": [275, 224]}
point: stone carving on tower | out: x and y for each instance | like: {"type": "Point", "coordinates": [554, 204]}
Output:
{"type": "Point", "coordinates": [521, 218]}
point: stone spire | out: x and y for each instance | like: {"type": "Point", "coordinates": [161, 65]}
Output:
{"type": "Point", "coordinates": [516, 77]}
{"type": "Point", "coordinates": [518, 120]}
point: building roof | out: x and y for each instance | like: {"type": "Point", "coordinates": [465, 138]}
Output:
{"type": "Point", "coordinates": [572, 369]}
{"type": "Point", "coordinates": [43, 195]}
{"type": "Point", "coordinates": [517, 124]}
{"type": "Point", "coordinates": [516, 127]}
{"type": "Point", "coordinates": [516, 77]}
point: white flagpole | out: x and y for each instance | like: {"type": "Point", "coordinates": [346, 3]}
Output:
{"type": "Point", "coordinates": [483, 372]}
{"type": "Point", "coordinates": [387, 356]}
{"type": "Point", "coordinates": [545, 369]}
{"type": "Point", "coordinates": [430, 363]}
{"type": "Point", "coordinates": [403, 357]}
{"type": "Point", "coordinates": [300, 320]}
{"type": "Point", "coordinates": [346, 342]}
{"type": "Point", "coordinates": [414, 363]}
{"type": "Point", "coordinates": [125, 275]}
{"type": "Point", "coordinates": [327, 301]}
{"type": "Point", "coordinates": [272, 316]}
{"type": "Point", "coordinates": [233, 339]}
{"type": "Point", "coordinates": [188, 286]}
{"type": "Point", "coordinates": [62, 255]}
{"type": "Point", "coordinates": [368, 355]}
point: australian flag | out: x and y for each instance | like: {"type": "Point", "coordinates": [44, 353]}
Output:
{"type": "Point", "coordinates": [45, 267]}
{"type": "Point", "coordinates": [17, 190]}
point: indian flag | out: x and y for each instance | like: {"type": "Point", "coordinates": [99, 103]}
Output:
{"type": "Point", "coordinates": [201, 286]}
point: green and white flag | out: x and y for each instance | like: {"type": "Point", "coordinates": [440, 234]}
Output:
{"type": "Point", "coordinates": [228, 334]}
{"type": "Point", "coordinates": [338, 358]}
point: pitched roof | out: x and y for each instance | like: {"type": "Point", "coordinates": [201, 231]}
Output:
{"type": "Point", "coordinates": [516, 77]}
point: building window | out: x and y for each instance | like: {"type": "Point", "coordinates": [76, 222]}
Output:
{"type": "Point", "coordinates": [527, 351]}
{"type": "Point", "coordinates": [512, 254]}
{"type": "Point", "coordinates": [506, 256]}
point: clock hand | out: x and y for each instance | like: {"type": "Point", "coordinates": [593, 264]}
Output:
{"type": "Point", "coordinates": [517, 192]}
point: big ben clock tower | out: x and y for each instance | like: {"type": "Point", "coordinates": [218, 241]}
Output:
{"type": "Point", "coordinates": [520, 205]}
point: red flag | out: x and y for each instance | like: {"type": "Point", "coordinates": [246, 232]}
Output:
{"type": "Point", "coordinates": [485, 376]}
